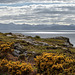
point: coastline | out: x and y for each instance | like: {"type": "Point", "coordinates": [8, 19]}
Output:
{"type": "Point", "coordinates": [46, 33]}
{"type": "Point", "coordinates": [19, 48]}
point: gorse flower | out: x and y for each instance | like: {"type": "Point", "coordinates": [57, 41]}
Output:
{"type": "Point", "coordinates": [15, 68]}
{"type": "Point", "coordinates": [53, 64]}
{"type": "Point", "coordinates": [6, 47]}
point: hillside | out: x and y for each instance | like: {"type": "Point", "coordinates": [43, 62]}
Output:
{"type": "Point", "coordinates": [12, 26]}
{"type": "Point", "coordinates": [21, 48]}
{"type": "Point", "coordinates": [61, 27]}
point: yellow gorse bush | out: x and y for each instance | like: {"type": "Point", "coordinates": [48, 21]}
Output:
{"type": "Point", "coordinates": [54, 64]}
{"type": "Point", "coordinates": [15, 68]}
{"type": "Point", "coordinates": [6, 47]}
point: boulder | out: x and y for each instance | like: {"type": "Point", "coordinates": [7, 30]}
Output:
{"type": "Point", "coordinates": [16, 53]}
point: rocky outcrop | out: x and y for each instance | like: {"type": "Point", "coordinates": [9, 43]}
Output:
{"type": "Point", "coordinates": [18, 48]}
{"type": "Point", "coordinates": [67, 41]}
{"type": "Point", "coordinates": [36, 43]}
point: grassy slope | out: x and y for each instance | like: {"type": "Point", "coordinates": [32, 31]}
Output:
{"type": "Point", "coordinates": [39, 49]}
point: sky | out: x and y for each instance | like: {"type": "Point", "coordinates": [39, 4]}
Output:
{"type": "Point", "coordinates": [35, 12]}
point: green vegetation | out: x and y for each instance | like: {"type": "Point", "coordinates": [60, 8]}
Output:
{"type": "Point", "coordinates": [55, 64]}
{"type": "Point", "coordinates": [15, 68]}
{"type": "Point", "coordinates": [18, 52]}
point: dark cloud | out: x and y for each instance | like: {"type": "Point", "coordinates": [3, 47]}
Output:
{"type": "Point", "coordinates": [17, 17]}
{"type": "Point", "coordinates": [50, 11]}
{"type": "Point", "coordinates": [50, 1]}
{"type": "Point", "coordinates": [10, 1]}
{"type": "Point", "coordinates": [71, 8]}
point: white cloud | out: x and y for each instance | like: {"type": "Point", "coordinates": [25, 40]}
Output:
{"type": "Point", "coordinates": [38, 14]}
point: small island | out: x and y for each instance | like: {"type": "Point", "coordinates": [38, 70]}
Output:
{"type": "Point", "coordinates": [27, 55]}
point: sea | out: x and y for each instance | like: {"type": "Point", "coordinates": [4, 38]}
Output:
{"type": "Point", "coordinates": [46, 33]}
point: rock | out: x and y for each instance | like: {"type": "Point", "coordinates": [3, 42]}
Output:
{"type": "Point", "coordinates": [25, 53]}
{"type": "Point", "coordinates": [67, 41]}
{"type": "Point", "coordinates": [56, 46]}
{"type": "Point", "coordinates": [33, 42]}
{"type": "Point", "coordinates": [18, 46]}
{"type": "Point", "coordinates": [16, 53]}
{"type": "Point", "coordinates": [67, 51]}
{"type": "Point", "coordinates": [20, 37]}
{"type": "Point", "coordinates": [18, 34]}
{"type": "Point", "coordinates": [33, 52]}
{"type": "Point", "coordinates": [67, 44]}
{"type": "Point", "coordinates": [29, 40]}
{"type": "Point", "coordinates": [8, 35]}
{"type": "Point", "coordinates": [43, 43]}
{"type": "Point", "coordinates": [64, 48]}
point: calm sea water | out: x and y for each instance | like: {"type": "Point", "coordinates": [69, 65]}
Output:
{"type": "Point", "coordinates": [46, 33]}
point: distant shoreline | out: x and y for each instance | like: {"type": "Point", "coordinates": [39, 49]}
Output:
{"type": "Point", "coordinates": [44, 34]}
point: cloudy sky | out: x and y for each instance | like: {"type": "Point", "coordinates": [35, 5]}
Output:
{"type": "Point", "coordinates": [36, 12]}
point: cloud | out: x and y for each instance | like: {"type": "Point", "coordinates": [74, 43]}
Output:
{"type": "Point", "coordinates": [39, 1]}
{"type": "Point", "coordinates": [39, 14]}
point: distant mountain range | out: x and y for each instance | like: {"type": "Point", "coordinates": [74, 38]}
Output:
{"type": "Point", "coordinates": [12, 26]}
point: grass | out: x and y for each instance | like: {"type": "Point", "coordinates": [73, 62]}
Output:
{"type": "Point", "coordinates": [60, 43]}
{"type": "Point", "coordinates": [72, 50]}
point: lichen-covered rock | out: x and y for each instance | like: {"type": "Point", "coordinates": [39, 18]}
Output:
{"type": "Point", "coordinates": [67, 41]}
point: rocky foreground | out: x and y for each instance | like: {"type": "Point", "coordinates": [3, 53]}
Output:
{"type": "Point", "coordinates": [30, 47]}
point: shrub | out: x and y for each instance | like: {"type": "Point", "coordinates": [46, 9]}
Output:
{"type": "Point", "coordinates": [37, 37]}
{"type": "Point", "coordinates": [54, 64]}
{"type": "Point", "coordinates": [6, 47]}
{"type": "Point", "coordinates": [15, 68]}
